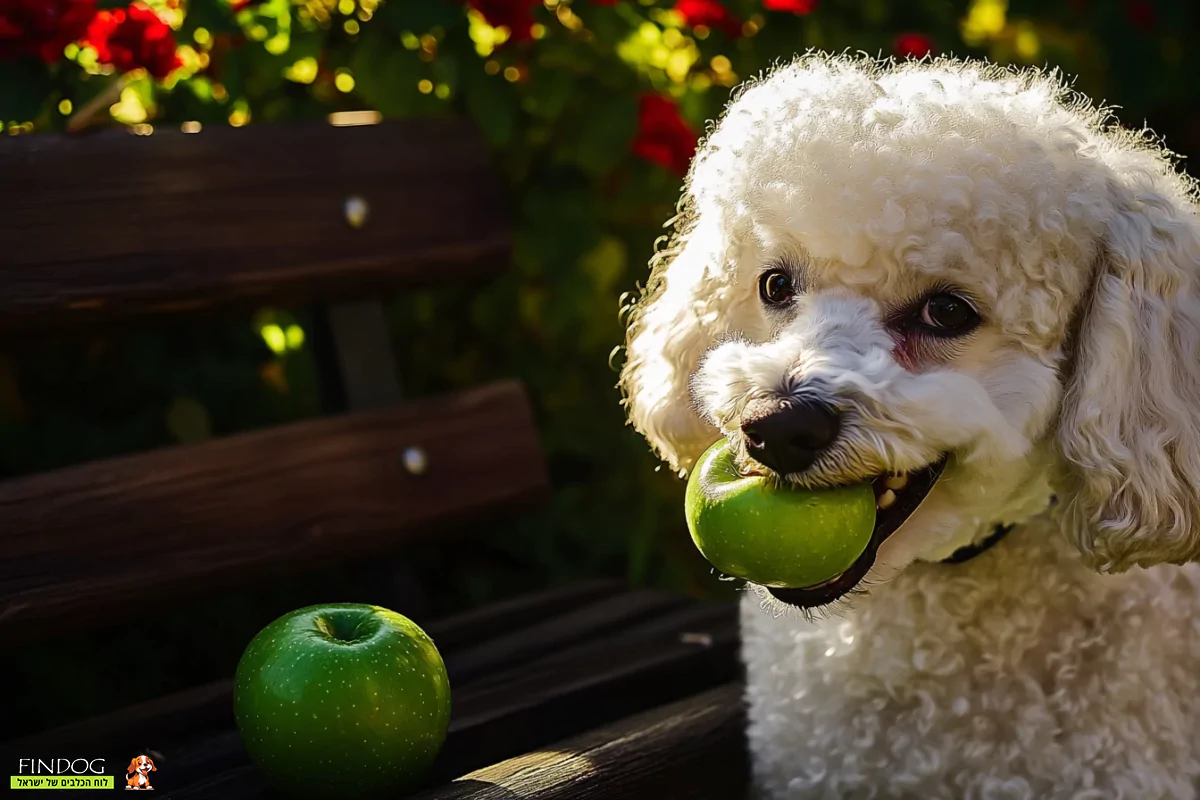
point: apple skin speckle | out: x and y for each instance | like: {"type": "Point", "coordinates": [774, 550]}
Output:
{"type": "Point", "coordinates": [334, 668]}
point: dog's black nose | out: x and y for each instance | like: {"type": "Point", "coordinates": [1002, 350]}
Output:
{"type": "Point", "coordinates": [788, 435]}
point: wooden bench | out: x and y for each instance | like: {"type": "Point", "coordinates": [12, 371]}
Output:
{"type": "Point", "coordinates": [592, 690]}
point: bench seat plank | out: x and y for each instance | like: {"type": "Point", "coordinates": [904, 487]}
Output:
{"type": "Point", "coordinates": [607, 654]}
{"type": "Point", "coordinates": [652, 663]}
{"type": "Point", "coordinates": [92, 541]}
{"type": "Point", "coordinates": [690, 749]}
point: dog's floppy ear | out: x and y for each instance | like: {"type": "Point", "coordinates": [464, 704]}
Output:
{"type": "Point", "coordinates": [679, 316]}
{"type": "Point", "coordinates": [132, 765]}
{"type": "Point", "coordinates": [1129, 431]}
{"type": "Point", "coordinates": [152, 767]}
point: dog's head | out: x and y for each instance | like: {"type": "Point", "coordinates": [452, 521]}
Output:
{"type": "Point", "coordinates": [878, 268]}
{"type": "Point", "coordinates": [142, 765]}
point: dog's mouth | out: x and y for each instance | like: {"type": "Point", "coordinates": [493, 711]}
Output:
{"type": "Point", "coordinates": [897, 498]}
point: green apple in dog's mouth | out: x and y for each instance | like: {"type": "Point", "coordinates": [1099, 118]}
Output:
{"type": "Point", "coordinates": [813, 544]}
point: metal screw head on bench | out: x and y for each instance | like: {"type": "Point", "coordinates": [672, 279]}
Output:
{"type": "Point", "coordinates": [415, 461]}
{"type": "Point", "coordinates": [356, 209]}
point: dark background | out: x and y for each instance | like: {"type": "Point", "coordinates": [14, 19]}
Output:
{"type": "Point", "coordinates": [565, 116]}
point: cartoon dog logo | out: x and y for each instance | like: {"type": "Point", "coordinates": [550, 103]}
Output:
{"type": "Point", "coordinates": [138, 773]}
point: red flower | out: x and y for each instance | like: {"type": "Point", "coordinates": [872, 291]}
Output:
{"type": "Point", "coordinates": [1141, 14]}
{"type": "Point", "coordinates": [664, 137]}
{"type": "Point", "coordinates": [134, 37]}
{"type": "Point", "coordinates": [710, 14]}
{"type": "Point", "coordinates": [516, 15]}
{"type": "Point", "coordinates": [792, 6]}
{"type": "Point", "coordinates": [912, 45]}
{"type": "Point", "coordinates": [42, 28]}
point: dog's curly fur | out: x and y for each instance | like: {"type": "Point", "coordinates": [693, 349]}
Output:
{"type": "Point", "coordinates": [1026, 672]}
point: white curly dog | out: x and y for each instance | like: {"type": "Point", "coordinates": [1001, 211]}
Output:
{"type": "Point", "coordinates": [889, 272]}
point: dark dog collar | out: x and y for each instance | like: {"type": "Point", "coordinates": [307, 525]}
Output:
{"type": "Point", "coordinates": [970, 551]}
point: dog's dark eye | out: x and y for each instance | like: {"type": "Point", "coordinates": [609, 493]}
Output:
{"type": "Point", "coordinates": [775, 288]}
{"type": "Point", "coordinates": [948, 314]}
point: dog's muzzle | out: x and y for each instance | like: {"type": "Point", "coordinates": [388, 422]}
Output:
{"type": "Point", "coordinates": [787, 435]}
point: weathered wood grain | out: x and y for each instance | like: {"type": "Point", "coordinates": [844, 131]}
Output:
{"type": "Point", "coordinates": [692, 749]}
{"type": "Point", "coordinates": [649, 664]}
{"type": "Point", "coordinates": [82, 544]}
{"type": "Point", "coordinates": [110, 225]}
{"type": "Point", "coordinates": [515, 648]}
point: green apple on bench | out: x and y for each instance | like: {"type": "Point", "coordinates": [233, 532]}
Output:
{"type": "Point", "coordinates": [342, 700]}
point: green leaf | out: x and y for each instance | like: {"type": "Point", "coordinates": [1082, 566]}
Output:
{"type": "Point", "coordinates": [270, 24]}
{"type": "Point", "coordinates": [216, 17]}
{"type": "Point", "coordinates": [608, 25]}
{"type": "Point", "coordinates": [188, 422]}
{"type": "Point", "coordinates": [306, 44]}
{"type": "Point", "coordinates": [605, 263]}
{"type": "Point", "coordinates": [386, 74]}
{"type": "Point", "coordinates": [24, 87]}
{"type": "Point", "coordinates": [419, 16]}
{"type": "Point", "coordinates": [446, 70]}
{"type": "Point", "coordinates": [600, 136]}
{"type": "Point", "coordinates": [548, 92]}
{"type": "Point", "coordinates": [492, 104]}
{"type": "Point", "coordinates": [253, 72]}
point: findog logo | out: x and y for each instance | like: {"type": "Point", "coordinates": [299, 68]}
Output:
{"type": "Point", "coordinates": [61, 773]}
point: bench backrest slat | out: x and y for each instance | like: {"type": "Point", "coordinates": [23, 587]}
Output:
{"type": "Point", "coordinates": [111, 224]}
{"type": "Point", "coordinates": [90, 542]}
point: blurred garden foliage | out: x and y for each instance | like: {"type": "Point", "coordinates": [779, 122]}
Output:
{"type": "Point", "coordinates": [592, 108]}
